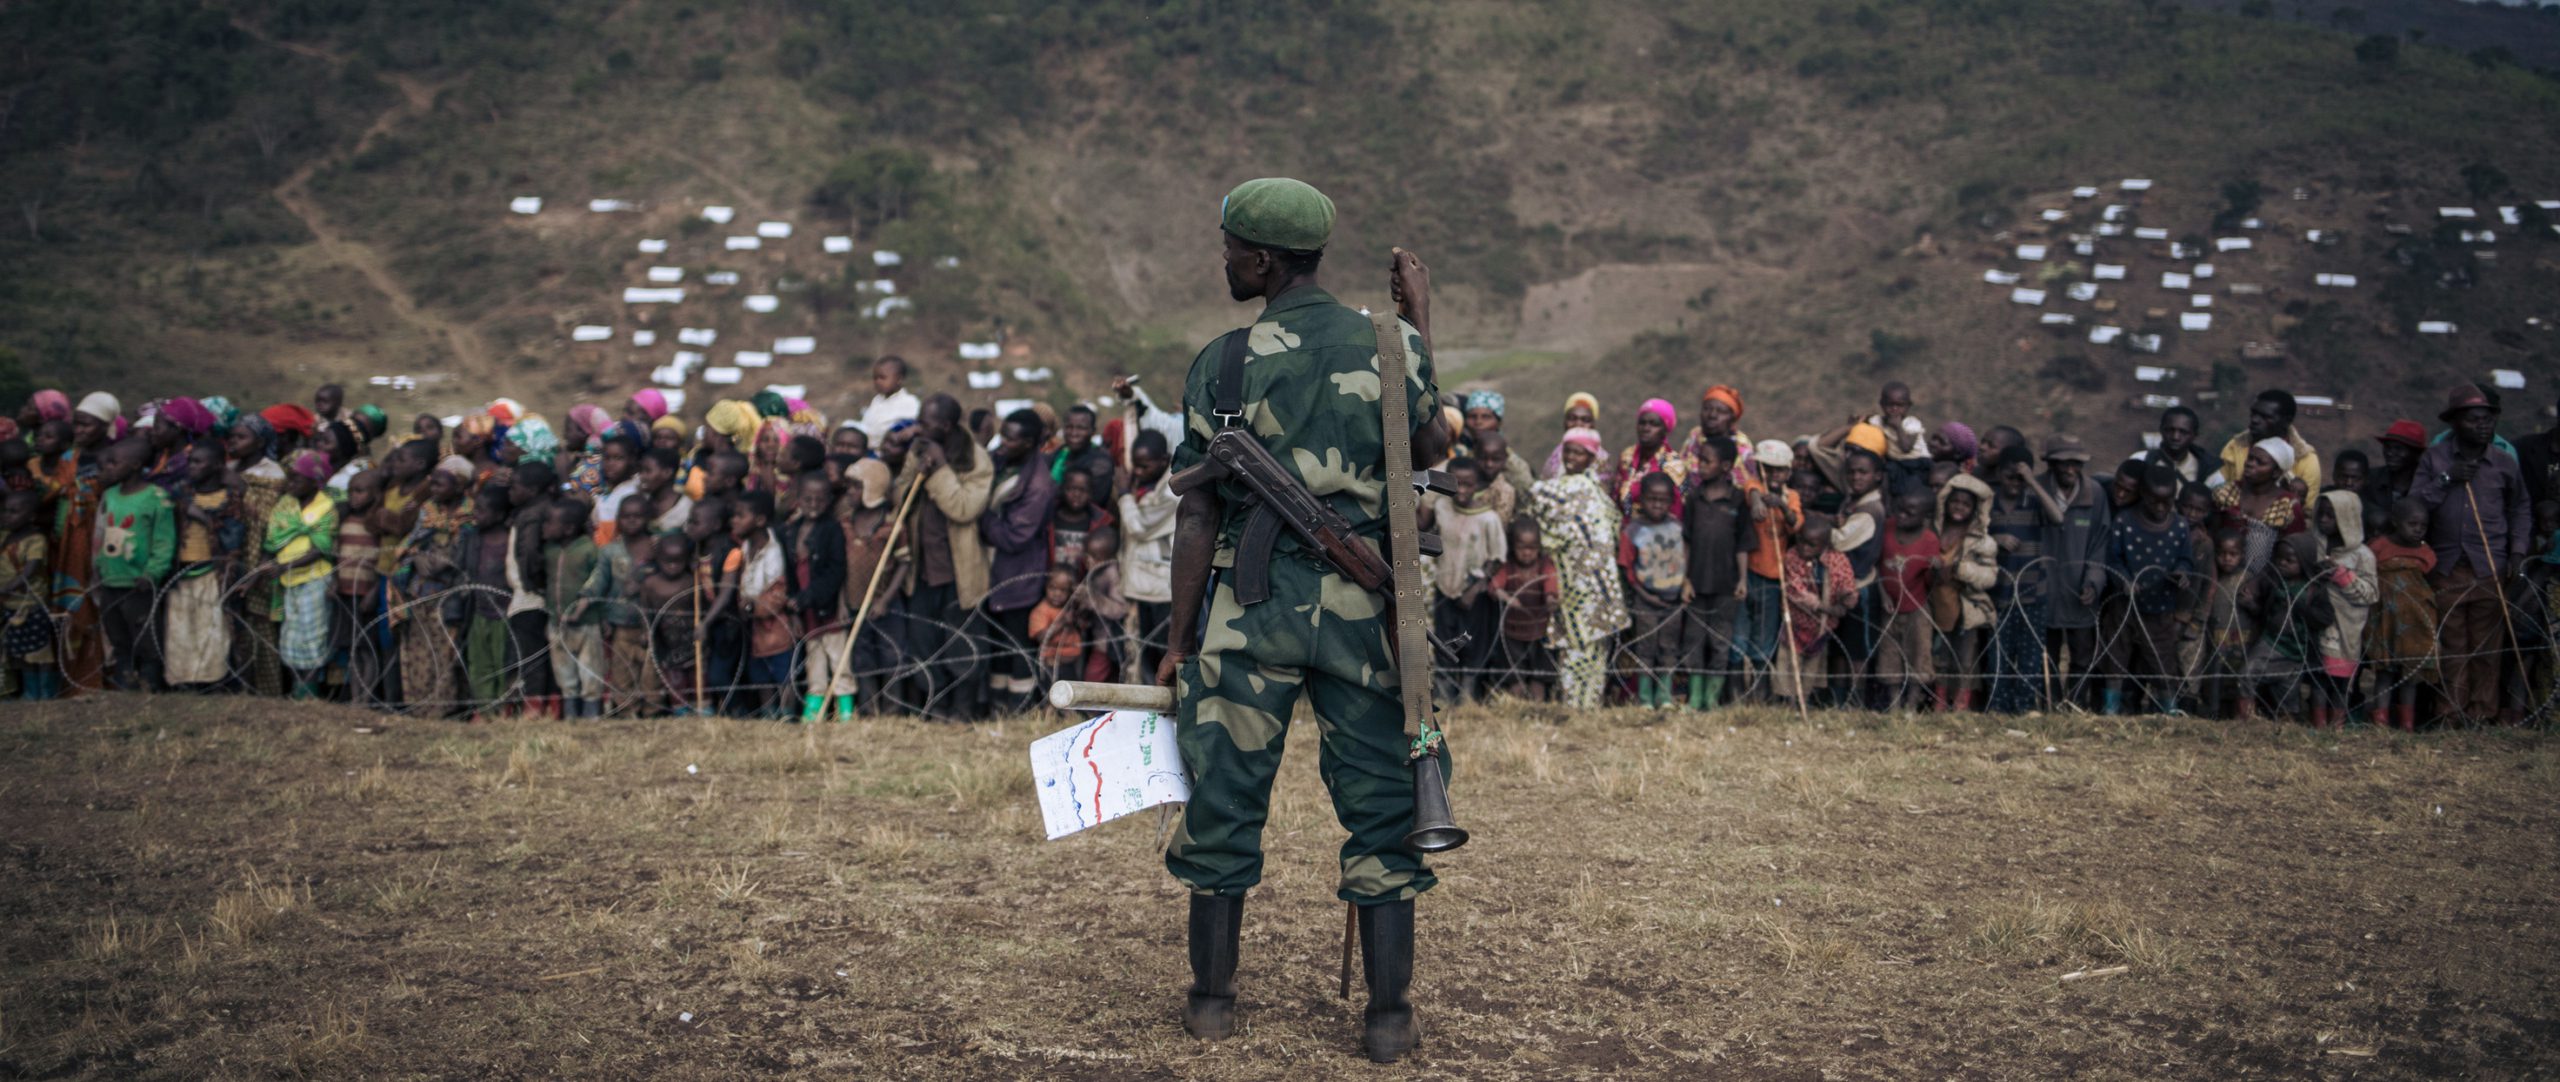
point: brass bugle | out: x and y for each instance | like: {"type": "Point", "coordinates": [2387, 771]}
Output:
{"type": "Point", "coordinates": [1089, 695]}
{"type": "Point", "coordinates": [1433, 829]}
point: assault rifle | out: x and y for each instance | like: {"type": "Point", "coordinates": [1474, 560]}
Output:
{"type": "Point", "coordinates": [1279, 499]}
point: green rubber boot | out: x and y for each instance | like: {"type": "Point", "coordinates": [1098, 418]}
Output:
{"type": "Point", "coordinates": [844, 709]}
{"type": "Point", "coordinates": [813, 707]}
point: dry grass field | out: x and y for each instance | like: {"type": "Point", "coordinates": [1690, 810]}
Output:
{"type": "Point", "coordinates": [209, 888]}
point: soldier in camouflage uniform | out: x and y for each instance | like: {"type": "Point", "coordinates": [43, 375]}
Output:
{"type": "Point", "coordinates": [1310, 394]}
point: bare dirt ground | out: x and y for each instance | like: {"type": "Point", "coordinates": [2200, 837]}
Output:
{"type": "Point", "coordinates": [210, 888]}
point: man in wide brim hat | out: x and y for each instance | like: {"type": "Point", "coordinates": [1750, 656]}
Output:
{"type": "Point", "coordinates": [2479, 522]}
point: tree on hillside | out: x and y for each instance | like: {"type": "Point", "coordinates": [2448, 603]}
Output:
{"type": "Point", "coordinates": [876, 186]}
{"type": "Point", "coordinates": [2484, 179]}
{"type": "Point", "coordinates": [2379, 50]}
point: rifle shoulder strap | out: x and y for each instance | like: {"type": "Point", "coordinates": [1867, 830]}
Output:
{"type": "Point", "coordinates": [1226, 395]}
{"type": "Point", "coordinates": [1404, 539]}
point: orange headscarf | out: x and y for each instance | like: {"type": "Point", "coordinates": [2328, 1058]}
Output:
{"type": "Point", "coordinates": [1727, 395]}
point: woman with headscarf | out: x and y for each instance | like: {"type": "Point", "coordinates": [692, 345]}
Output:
{"type": "Point", "coordinates": [1651, 454]}
{"type": "Point", "coordinates": [668, 433]}
{"type": "Point", "coordinates": [424, 566]}
{"type": "Point", "coordinates": [1578, 519]}
{"type": "Point", "coordinates": [1581, 410]}
{"type": "Point", "coordinates": [175, 423]}
{"type": "Point", "coordinates": [588, 424]}
{"type": "Point", "coordinates": [645, 407]}
{"type": "Point", "coordinates": [301, 539]}
{"type": "Point", "coordinates": [249, 442]}
{"type": "Point", "coordinates": [530, 439]}
{"type": "Point", "coordinates": [476, 440]}
{"type": "Point", "coordinates": [1955, 442]}
{"type": "Point", "coordinates": [1720, 418]}
{"type": "Point", "coordinates": [42, 406]}
{"type": "Point", "coordinates": [293, 424]}
{"type": "Point", "coordinates": [2262, 504]}
{"type": "Point", "coordinates": [71, 481]}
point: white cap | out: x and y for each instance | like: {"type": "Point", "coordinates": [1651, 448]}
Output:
{"type": "Point", "coordinates": [1775, 453]}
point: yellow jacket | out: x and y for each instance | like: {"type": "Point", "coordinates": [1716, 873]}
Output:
{"type": "Point", "coordinates": [2306, 462]}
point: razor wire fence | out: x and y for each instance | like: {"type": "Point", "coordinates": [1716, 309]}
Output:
{"type": "Point", "coordinates": [417, 655]}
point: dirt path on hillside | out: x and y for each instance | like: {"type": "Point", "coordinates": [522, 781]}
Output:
{"type": "Point", "coordinates": [417, 97]}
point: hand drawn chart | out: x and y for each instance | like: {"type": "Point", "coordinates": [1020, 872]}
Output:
{"type": "Point", "coordinates": [1106, 767]}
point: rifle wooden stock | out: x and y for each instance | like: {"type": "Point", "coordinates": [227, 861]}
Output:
{"type": "Point", "coordinates": [1086, 695]}
{"type": "Point", "coordinates": [1235, 453]}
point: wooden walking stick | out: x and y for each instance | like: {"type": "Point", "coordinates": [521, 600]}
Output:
{"type": "Point", "coordinates": [880, 567]}
{"type": "Point", "coordinates": [697, 637]}
{"type": "Point", "coordinates": [1350, 933]}
{"type": "Point", "coordinates": [1795, 664]}
{"type": "Point", "coordinates": [2472, 497]}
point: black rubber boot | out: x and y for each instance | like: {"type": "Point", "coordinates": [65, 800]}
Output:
{"type": "Point", "coordinates": [1387, 1027]}
{"type": "Point", "coordinates": [1217, 924]}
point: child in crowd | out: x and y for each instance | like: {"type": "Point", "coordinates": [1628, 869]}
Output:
{"type": "Point", "coordinates": [197, 646]}
{"type": "Point", "coordinates": [301, 542]}
{"type": "Point", "coordinates": [426, 564]}
{"type": "Point", "coordinates": [2401, 631]}
{"type": "Point", "coordinates": [849, 441]}
{"type": "Point", "coordinates": [1075, 518]}
{"type": "Point", "coordinates": [1106, 649]}
{"type": "Point", "coordinates": [1716, 519]}
{"type": "Point", "coordinates": [577, 587]}
{"type": "Point", "coordinates": [533, 487]}
{"type": "Point", "coordinates": [1967, 569]}
{"type": "Point", "coordinates": [872, 574]}
{"type": "Point", "coordinates": [813, 552]}
{"type": "Point", "coordinates": [137, 546]}
{"type": "Point", "coordinates": [1820, 588]}
{"type": "Point", "coordinates": [1146, 545]}
{"type": "Point", "coordinates": [26, 628]}
{"type": "Point", "coordinates": [17, 458]}
{"type": "Point", "coordinates": [1524, 594]}
{"type": "Point", "coordinates": [1471, 540]}
{"type": "Point", "coordinates": [1776, 510]}
{"type": "Point", "coordinates": [1907, 456]}
{"type": "Point", "coordinates": [2226, 627]}
{"type": "Point", "coordinates": [2291, 611]}
{"type": "Point", "coordinates": [755, 581]}
{"type": "Point", "coordinates": [356, 586]}
{"type": "Point", "coordinates": [2149, 558]}
{"type": "Point", "coordinates": [1493, 458]}
{"type": "Point", "coordinates": [2349, 580]}
{"type": "Point", "coordinates": [667, 604]}
{"type": "Point", "coordinates": [1905, 573]}
{"type": "Point", "coordinates": [1654, 554]}
{"type": "Point", "coordinates": [1057, 626]}
{"type": "Point", "coordinates": [478, 603]}
{"type": "Point", "coordinates": [628, 675]}
{"type": "Point", "coordinates": [723, 633]}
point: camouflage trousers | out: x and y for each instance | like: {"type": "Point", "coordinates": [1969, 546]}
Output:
{"type": "Point", "coordinates": [1322, 636]}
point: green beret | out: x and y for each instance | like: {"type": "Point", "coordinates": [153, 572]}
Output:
{"type": "Point", "coordinates": [1277, 212]}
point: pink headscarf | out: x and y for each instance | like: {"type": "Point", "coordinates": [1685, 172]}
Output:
{"type": "Point", "coordinates": [311, 464]}
{"type": "Point", "coordinates": [1587, 439]}
{"type": "Point", "coordinates": [591, 421]}
{"type": "Point", "coordinates": [51, 405]}
{"type": "Point", "coordinates": [188, 414]}
{"type": "Point", "coordinates": [1670, 417]}
{"type": "Point", "coordinates": [650, 402]}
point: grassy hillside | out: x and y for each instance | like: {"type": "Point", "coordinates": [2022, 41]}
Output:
{"type": "Point", "coordinates": [1799, 199]}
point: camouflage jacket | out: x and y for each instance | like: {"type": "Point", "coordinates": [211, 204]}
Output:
{"type": "Point", "coordinates": [1311, 395]}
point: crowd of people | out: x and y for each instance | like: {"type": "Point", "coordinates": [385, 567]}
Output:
{"type": "Point", "coordinates": [929, 559]}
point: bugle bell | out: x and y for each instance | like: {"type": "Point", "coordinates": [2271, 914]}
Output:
{"type": "Point", "coordinates": [1434, 831]}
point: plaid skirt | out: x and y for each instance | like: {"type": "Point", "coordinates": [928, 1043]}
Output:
{"type": "Point", "coordinates": [305, 642]}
